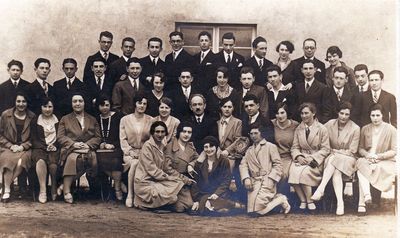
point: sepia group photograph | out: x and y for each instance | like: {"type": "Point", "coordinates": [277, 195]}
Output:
{"type": "Point", "coordinates": [187, 118]}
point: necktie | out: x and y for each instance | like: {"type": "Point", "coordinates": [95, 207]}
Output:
{"type": "Point", "coordinates": [186, 94]}
{"type": "Point", "coordinates": [223, 127]}
{"type": "Point", "coordinates": [202, 57]}
{"type": "Point", "coordinates": [338, 95]}
{"type": "Point", "coordinates": [307, 87]}
{"type": "Point", "coordinates": [98, 83]}
{"type": "Point", "coordinates": [307, 132]}
{"type": "Point", "coordinates": [244, 92]}
{"type": "Point", "coordinates": [45, 88]}
{"type": "Point", "coordinates": [361, 89]}
{"type": "Point", "coordinates": [69, 84]}
{"type": "Point", "coordinates": [261, 64]}
{"type": "Point", "coordinates": [250, 118]}
{"type": "Point", "coordinates": [375, 97]}
{"type": "Point", "coordinates": [134, 85]}
{"type": "Point", "coordinates": [174, 55]}
{"type": "Point", "coordinates": [198, 120]}
{"type": "Point", "coordinates": [154, 62]}
{"type": "Point", "coordinates": [15, 84]}
{"type": "Point", "coordinates": [229, 59]}
{"type": "Point", "coordinates": [105, 55]}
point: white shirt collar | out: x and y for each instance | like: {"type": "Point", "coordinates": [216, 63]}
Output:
{"type": "Point", "coordinates": [134, 81]}
{"type": "Point", "coordinates": [70, 79]}
{"type": "Point", "coordinates": [254, 118]}
{"type": "Point", "coordinates": [258, 59]}
{"type": "Point", "coordinates": [226, 55]}
{"type": "Point", "coordinates": [15, 80]}
{"type": "Point", "coordinates": [309, 82]}
{"type": "Point", "coordinates": [205, 52]}
{"type": "Point", "coordinates": [276, 92]}
{"type": "Point", "coordinates": [201, 117]}
{"type": "Point", "coordinates": [338, 90]}
{"type": "Point", "coordinates": [312, 58]}
{"type": "Point", "coordinates": [41, 81]}
{"type": "Point", "coordinates": [364, 87]}
{"type": "Point", "coordinates": [177, 52]}
{"type": "Point", "coordinates": [125, 58]}
{"type": "Point", "coordinates": [188, 89]}
{"type": "Point", "coordinates": [226, 119]}
{"type": "Point", "coordinates": [152, 58]}
{"type": "Point", "coordinates": [378, 93]}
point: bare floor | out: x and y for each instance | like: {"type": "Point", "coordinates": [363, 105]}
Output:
{"type": "Point", "coordinates": [98, 219]}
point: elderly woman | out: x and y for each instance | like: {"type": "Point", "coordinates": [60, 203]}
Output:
{"type": "Point", "coordinates": [45, 153]}
{"type": "Point", "coordinates": [220, 91]}
{"type": "Point", "coordinates": [309, 150]}
{"type": "Point", "coordinates": [333, 56]}
{"type": "Point", "coordinates": [285, 49]}
{"type": "Point", "coordinates": [15, 145]}
{"type": "Point", "coordinates": [79, 136]}
{"type": "Point", "coordinates": [155, 95]}
{"type": "Point", "coordinates": [344, 136]}
{"type": "Point", "coordinates": [172, 123]}
{"type": "Point", "coordinates": [156, 183]}
{"type": "Point", "coordinates": [134, 130]}
{"type": "Point", "coordinates": [210, 192]}
{"type": "Point", "coordinates": [378, 148]}
{"type": "Point", "coordinates": [109, 155]}
{"type": "Point", "coordinates": [284, 134]}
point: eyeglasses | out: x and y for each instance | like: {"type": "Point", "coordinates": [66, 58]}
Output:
{"type": "Point", "coordinates": [309, 47]}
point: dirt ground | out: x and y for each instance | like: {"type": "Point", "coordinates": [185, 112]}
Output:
{"type": "Point", "coordinates": [108, 219]}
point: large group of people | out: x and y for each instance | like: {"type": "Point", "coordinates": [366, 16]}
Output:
{"type": "Point", "coordinates": [204, 134]}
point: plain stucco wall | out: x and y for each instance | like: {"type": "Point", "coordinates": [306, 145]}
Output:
{"type": "Point", "coordinates": [365, 30]}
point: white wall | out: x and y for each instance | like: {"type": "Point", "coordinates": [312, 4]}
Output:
{"type": "Point", "coordinates": [365, 30]}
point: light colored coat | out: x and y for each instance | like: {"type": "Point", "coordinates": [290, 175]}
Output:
{"type": "Point", "coordinates": [262, 164]}
{"type": "Point", "coordinates": [156, 183]}
{"type": "Point", "coordinates": [380, 175]}
{"type": "Point", "coordinates": [316, 147]}
{"type": "Point", "coordinates": [233, 131]}
{"type": "Point", "coordinates": [344, 146]}
{"type": "Point", "coordinates": [172, 125]}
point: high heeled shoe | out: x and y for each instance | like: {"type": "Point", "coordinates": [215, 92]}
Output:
{"type": "Point", "coordinates": [68, 198]}
{"type": "Point", "coordinates": [340, 210]}
{"type": "Point", "coordinates": [6, 197]}
{"type": "Point", "coordinates": [303, 205]}
{"type": "Point", "coordinates": [42, 197]}
{"type": "Point", "coordinates": [129, 202]}
{"type": "Point", "coordinates": [317, 195]}
{"type": "Point", "coordinates": [286, 206]}
{"type": "Point", "coordinates": [311, 206]}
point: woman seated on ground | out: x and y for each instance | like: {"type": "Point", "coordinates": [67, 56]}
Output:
{"type": "Point", "coordinates": [109, 155]}
{"type": "Point", "coordinates": [284, 128]}
{"type": "Point", "coordinates": [344, 136]}
{"type": "Point", "coordinates": [210, 192]}
{"type": "Point", "coordinates": [134, 131]}
{"type": "Point", "coordinates": [155, 95]}
{"type": "Point", "coordinates": [309, 150]}
{"type": "Point", "coordinates": [164, 115]}
{"type": "Point", "coordinates": [15, 145]}
{"type": "Point", "coordinates": [45, 152]}
{"type": "Point", "coordinates": [79, 136]}
{"type": "Point", "coordinates": [157, 184]}
{"type": "Point", "coordinates": [377, 165]}
{"type": "Point", "coordinates": [220, 91]}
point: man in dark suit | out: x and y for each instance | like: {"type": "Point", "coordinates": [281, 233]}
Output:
{"type": "Point", "coordinates": [97, 83]}
{"type": "Point", "coordinates": [39, 88]}
{"type": "Point", "coordinates": [311, 90]}
{"type": "Point", "coordinates": [152, 63]}
{"type": "Point", "coordinates": [278, 93]}
{"type": "Point", "coordinates": [118, 68]}
{"type": "Point", "coordinates": [124, 91]}
{"type": "Point", "coordinates": [205, 63]}
{"type": "Point", "coordinates": [105, 41]}
{"type": "Point", "coordinates": [361, 78]}
{"type": "Point", "coordinates": [253, 117]}
{"type": "Point", "coordinates": [65, 87]}
{"type": "Point", "coordinates": [377, 95]}
{"type": "Point", "coordinates": [14, 84]}
{"type": "Point", "coordinates": [247, 81]}
{"type": "Point", "coordinates": [180, 95]}
{"type": "Point", "coordinates": [336, 94]}
{"type": "Point", "coordinates": [309, 48]}
{"type": "Point", "coordinates": [258, 62]}
{"type": "Point", "coordinates": [177, 60]}
{"type": "Point", "coordinates": [203, 125]}
{"type": "Point", "coordinates": [230, 59]}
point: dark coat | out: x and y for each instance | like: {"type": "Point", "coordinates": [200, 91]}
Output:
{"type": "Point", "coordinates": [330, 104]}
{"type": "Point", "coordinates": [207, 127]}
{"type": "Point", "coordinates": [315, 95]}
{"type": "Point", "coordinates": [319, 75]}
{"type": "Point", "coordinates": [181, 106]}
{"type": "Point", "coordinates": [287, 96]}
{"type": "Point", "coordinates": [260, 74]}
{"type": "Point", "coordinates": [148, 69]}
{"type": "Point", "coordinates": [234, 67]}
{"type": "Point", "coordinates": [8, 93]}
{"type": "Point", "coordinates": [173, 68]}
{"type": "Point", "coordinates": [205, 76]}
{"type": "Point", "coordinates": [89, 62]}
{"type": "Point", "coordinates": [62, 96]}
{"type": "Point", "coordinates": [35, 94]}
